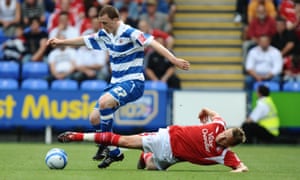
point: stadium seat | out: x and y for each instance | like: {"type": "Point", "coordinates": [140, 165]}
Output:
{"type": "Point", "coordinates": [3, 39]}
{"type": "Point", "coordinates": [64, 85]}
{"type": "Point", "coordinates": [34, 84]}
{"type": "Point", "coordinates": [156, 85]}
{"type": "Point", "coordinates": [93, 85]}
{"type": "Point", "coordinates": [273, 86]}
{"type": "Point", "coordinates": [291, 86]}
{"type": "Point", "coordinates": [35, 70]}
{"type": "Point", "coordinates": [9, 69]}
{"type": "Point", "coordinates": [8, 84]}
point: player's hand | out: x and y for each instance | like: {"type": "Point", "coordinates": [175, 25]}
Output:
{"type": "Point", "coordinates": [240, 168]}
{"type": "Point", "coordinates": [203, 116]}
{"type": "Point", "coordinates": [182, 64]}
{"type": "Point", "coordinates": [53, 42]}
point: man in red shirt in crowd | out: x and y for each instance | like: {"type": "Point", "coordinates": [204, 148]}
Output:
{"type": "Point", "coordinates": [261, 25]}
{"type": "Point", "coordinates": [204, 144]}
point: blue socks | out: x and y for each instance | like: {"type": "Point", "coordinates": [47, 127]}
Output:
{"type": "Point", "coordinates": [106, 116]}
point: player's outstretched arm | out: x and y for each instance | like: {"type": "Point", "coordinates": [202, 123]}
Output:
{"type": "Point", "coordinates": [180, 63]}
{"type": "Point", "coordinates": [240, 168]}
{"type": "Point", "coordinates": [78, 41]}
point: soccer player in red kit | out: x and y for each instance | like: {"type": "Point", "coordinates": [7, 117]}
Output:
{"type": "Point", "coordinates": [204, 144]}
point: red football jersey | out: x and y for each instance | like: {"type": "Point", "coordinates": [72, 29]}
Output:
{"type": "Point", "coordinates": [197, 144]}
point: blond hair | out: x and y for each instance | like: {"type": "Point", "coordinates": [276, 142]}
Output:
{"type": "Point", "coordinates": [238, 136]}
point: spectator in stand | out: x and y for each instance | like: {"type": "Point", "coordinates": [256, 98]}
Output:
{"type": "Point", "coordinates": [269, 8]}
{"type": "Point", "coordinates": [262, 125]}
{"type": "Point", "coordinates": [291, 69]}
{"type": "Point", "coordinates": [297, 27]}
{"type": "Point", "coordinates": [14, 49]}
{"type": "Point", "coordinates": [284, 39]}
{"type": "Point", "coordinates": [168, 40]}
{"type": "Point", "coordinates": [61, 62]}
{"type": "Point", "coordinates": [288, 12]}
{"type": "Point", "coordinates": [156, 19]}
{"type": "Point", "coordinates": [171, 10]}
{"type": "Point", "coordinates": [31, 9]}
{"type": "Point", "coordinates": [131, 6]}
{"type": "Point", "coordinates": [87, 21]}
{"type": "Point", "coordinates": [90, 63]}
{"type": "Point", "coordinates": [10, 16]}
{"type": "Point", "coordinates": [36, 41]}
{"type": "Point", "coordinates": [49, 5]}
{"type": "Point", "coordinates": [164, 6]}
{"type": "Point", "coordinates": [264, 63]}
{"type": "Point", "coordinates": [126, 19]}
{"type": "Point", "coordinates": [64, 27]}
{"type": "Point", "coordinates": [54, 17]}
{"type": "Point", "coordinates": [160, 69]}
{"type": "Point", "coordinates": [105, 2]}
{"type": "Point", "coordinates": [241, 11]}
{"type": "Point", "coordinates": [76, 7]}
{"type": "Point", "coordinates": [262, 24]}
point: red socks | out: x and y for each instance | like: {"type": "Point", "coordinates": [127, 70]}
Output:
{"type": "Point", "coordinates": [77, 136]}
{"type": "Point", "coordinates": [107, 138]}
{"type": "Point", "coordinates": [147, 156]}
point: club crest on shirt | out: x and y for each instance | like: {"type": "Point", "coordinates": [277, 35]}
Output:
{"type": "Point", "coordinates": [123, 40]}
{"type": "Point", "coordinates": [208, 139]}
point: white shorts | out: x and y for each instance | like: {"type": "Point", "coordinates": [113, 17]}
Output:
{"type": "Point", "coordinates": [159, 144]}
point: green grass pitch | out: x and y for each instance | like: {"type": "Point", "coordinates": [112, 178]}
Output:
{"type": "Point", "coordinates": [26, 161]}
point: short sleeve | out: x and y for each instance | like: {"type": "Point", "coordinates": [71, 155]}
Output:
{"type": "Point", "coordinates": [219, 120]}
{"type": "Point", "coordinates": [143, 39]}
{"type": "Point", "coordinates": [231, 160]}
{"type": "Point", "coordinates": [93, 41]}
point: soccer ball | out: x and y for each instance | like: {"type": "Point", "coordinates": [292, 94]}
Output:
{"type": "Point", "coordinates": [56, 158]}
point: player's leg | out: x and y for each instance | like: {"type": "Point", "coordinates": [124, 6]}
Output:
{"type": "Point", "coordinates": [94, 118]}
{"type": "Point", "coordinates": [146, 161]}
{"type": "Point", "coordinates": [118, 95]}
{"type": "Point", "coordinates": [107, 106]}
{"type": "Point", "coordinates": [105, 138]}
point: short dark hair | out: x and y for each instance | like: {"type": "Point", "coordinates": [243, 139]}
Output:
{"type": "Point", "coordinates": [263, 90]}
{"type": "Point", "coordinates": [32, 19]}
{"type": "Point", "coordinates": [111, 12]}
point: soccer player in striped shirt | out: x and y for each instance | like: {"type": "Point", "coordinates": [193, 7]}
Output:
{"type": "Point", "coordinates": [126, 50]}
{"type": "Point", "coordinates": [205, 144]}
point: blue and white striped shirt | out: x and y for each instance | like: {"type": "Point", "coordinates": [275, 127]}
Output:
{"type": "Point", "coordinates": [126, 51]}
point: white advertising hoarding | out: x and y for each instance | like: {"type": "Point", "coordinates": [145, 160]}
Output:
{"type": "Point", "coordinates": [230, 105]}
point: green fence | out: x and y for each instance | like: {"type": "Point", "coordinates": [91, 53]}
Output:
{"type": "Point", "coordinates": [288, 106]}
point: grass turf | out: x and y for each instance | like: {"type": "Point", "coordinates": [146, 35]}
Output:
{"type": "Point", "coordinates": [26, 161]}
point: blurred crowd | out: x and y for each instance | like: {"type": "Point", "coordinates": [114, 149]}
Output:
{"type": "Point", "coordinates": [271, 40]}
{"type": "Point", "coordinates": [26, 25]}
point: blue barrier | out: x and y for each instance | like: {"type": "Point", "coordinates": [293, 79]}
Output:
{"type": "Point", "coordinates": [68, 109]}
{"type": "Point", "coordinates": [147, 113]}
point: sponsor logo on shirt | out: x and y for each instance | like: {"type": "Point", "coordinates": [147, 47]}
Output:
{"type": "Point", "coordinates": [208, 139]}
{"type": "Point", "coordinates": [141, 38]}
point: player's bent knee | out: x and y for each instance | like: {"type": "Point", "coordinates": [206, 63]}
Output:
{"type": "Point", "coordinates": [107, 102]}
{"type": "Point", "coordinates": [150, 164]}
